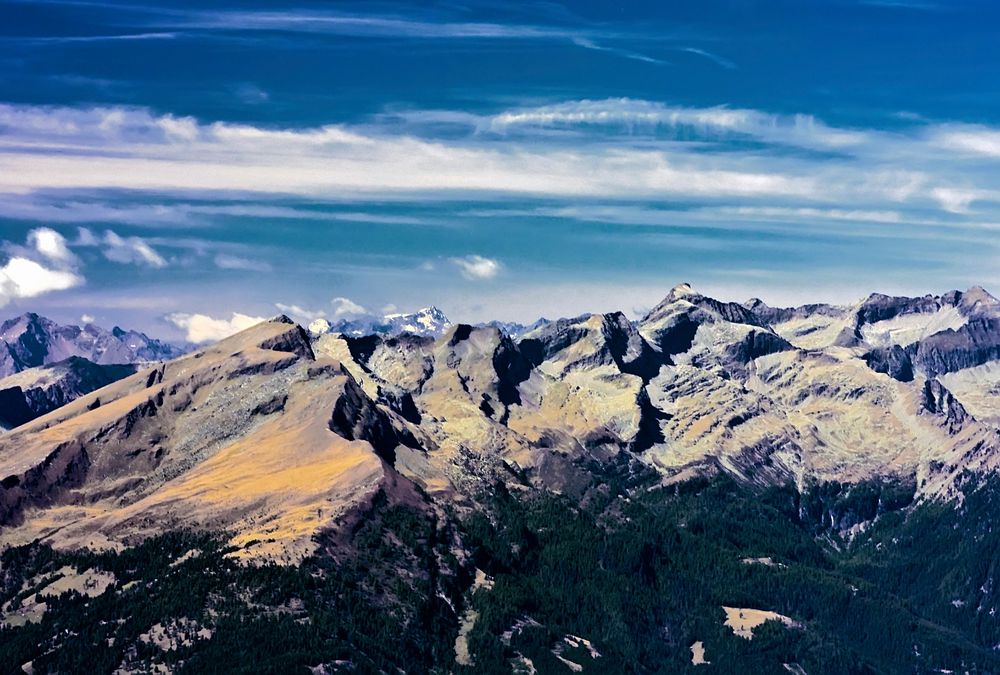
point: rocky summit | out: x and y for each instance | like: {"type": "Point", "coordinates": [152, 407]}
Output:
{"type": "Point", "coordinates": [714, 486]}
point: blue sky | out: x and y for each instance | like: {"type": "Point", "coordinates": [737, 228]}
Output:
{"type": "Point", "coordinates": [166, 162]}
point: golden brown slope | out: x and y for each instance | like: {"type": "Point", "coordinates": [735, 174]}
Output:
{"type": "Point", "coordinates": [238, 436]}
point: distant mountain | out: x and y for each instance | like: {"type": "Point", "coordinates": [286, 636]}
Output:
{"type": "Point", "coordinates": [429, 321]}
{"type": "Point", "coordinates": [30, 340]}
{"type": "Point", "coordinates": [426, 322]}
{"type": "Point", "coordinates": [591, 495]}
{"type": "Point", "coordinates": [515, 329]}
{"type": "Point", "coordinates": [36, 391]}
{"type": "Point", "coordinates": [901, 336]}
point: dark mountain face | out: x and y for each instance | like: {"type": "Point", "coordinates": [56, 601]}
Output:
{"type": "Point", "coordinates": [951, 350]}
{"type": "Point", "coordinates": [31, 340]}
{"type": "Point", "coordinates": [36, 391]}
{"type": "Point", "coordinates": [930, 335]}
{"type": "Point", "coordinates": [775, 315]}
{"type": "Point", "coordinates": [893, 361]}
{"type": "Point", "coordinates": [877, 307]}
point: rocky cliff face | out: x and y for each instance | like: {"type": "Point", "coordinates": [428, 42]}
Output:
{"type": "Point", "coordinates": [951, 350]}
{"type": "Point", "coordinates": [278, 435]}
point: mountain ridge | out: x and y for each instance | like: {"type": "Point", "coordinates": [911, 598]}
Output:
{"type": "Point", "coordinates": [493, 500]}
{"type": "Point", "coordinates": [694, 385]}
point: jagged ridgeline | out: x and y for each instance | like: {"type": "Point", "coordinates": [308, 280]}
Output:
{"type": "Point", "coordinates": [717, 487]}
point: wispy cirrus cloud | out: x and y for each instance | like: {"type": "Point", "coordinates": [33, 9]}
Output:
{"type": "Point", "coordinates": [709, 217]}
{"type": "Point", "coordinates": [618, 149]}
{"type": "Point", "coordinates": [250, 93]}
{"type": "Point", "coordinates": [369, 25]}
{"type": "Point", "coordinates": [588, 43]}
{"type": "Point", "coordinates": [133, 149]}
{"type": "Point", "coordinates": [70, 39]}
{"type": "Point", "coordinates": [56, 207]}
{"type": "Point", "coordinates": [711, 56]}
{"type": "Point", "coordinates": [175, 22]}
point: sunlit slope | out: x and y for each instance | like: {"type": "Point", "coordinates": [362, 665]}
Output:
{"type": "Point", "coordinates": [236, 437]}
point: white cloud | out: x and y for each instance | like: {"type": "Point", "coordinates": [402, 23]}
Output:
{"type": "Point", "coordinates": [86, 318]}
{"type": "Point", "coordinates": [51, 244]}
{"type": "Point", "coordinates": [85, 237]}
{"type": "Point", "coordinates": [476, 267]}
{"type": "Point", "coordinates": [300, 313]}
{"type": "Point", "coordinates": [25, 278]}
{"type": "Point", "coordinates": [201, 328]}
{"type": "Point", "coordinates": [44, 265]}
{"type": "Point", "coordinates": [969, 138]}
{"type": "Point", "coordinates": [131, 250]}
{"type": "Point", "coordinates": [956, 200]}
{"type": "Point", "coordinates": [344, 308]}
{"type": "Point", "coordinates": [125, 250]}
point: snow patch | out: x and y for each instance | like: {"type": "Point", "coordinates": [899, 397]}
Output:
{"type": "Point", "coordinates": [909, 328]}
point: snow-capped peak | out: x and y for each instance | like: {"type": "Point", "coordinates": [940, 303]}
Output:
{"type": "Point", "coordinates": [428, 321]}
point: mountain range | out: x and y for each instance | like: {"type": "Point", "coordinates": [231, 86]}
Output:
{"type": "Point", "coordinates": [426, 322]}
{"type": "Point", "coordinates": [429, 321]}
{"type": "Point", "coordinates": [717, 486]}
{"type": "Point", "coordinates": [31, 341]}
